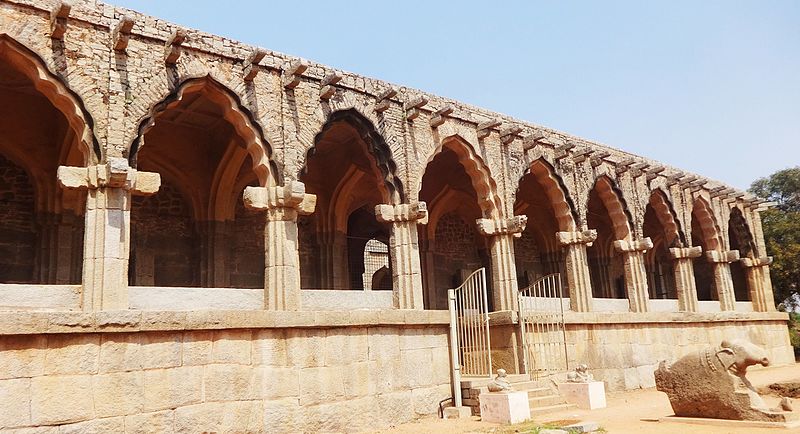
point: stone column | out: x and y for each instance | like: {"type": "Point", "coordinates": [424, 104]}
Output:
{"type": "Point", "coordinates": [577, 268]}
{"type": "Point", "coordinates": [282, 206]}
{"type": "Point", "coordinates": [684, 276]}
{"type": "Point", "coordinates": [759, 283]}
{"type": "Point", "coordinates": [721, 263]}
{"type": "Point", "coordinates": [635, 273]}
{"type": "Point", "coordinates": [404, 251]}
{"type": "Point", "coordinates": [501, 235]}
{"type": "Point", "coordinates": [106, 243]}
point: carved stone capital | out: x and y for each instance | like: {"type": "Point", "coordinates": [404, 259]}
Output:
{"type": "Point", "coordinates": [685, 252]}
{"type": "Point", "coordinates": [584, 237]}
{"type": "Point", "coordinates": [114, 174]}
{"type": "Point", "coordinates": [722, 256]}
{"type": "Point", "coordinates": [510, 226]}
{"type": "Point", "coordinates": [626, 246]}
{"type": "Point", "coordinates": [292, 195]}
{"type": "Point", "coordinates": [756, 262]}
{"type": "Point", "coordinates": [404, 212]}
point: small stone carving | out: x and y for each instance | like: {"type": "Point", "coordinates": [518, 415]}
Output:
{"type": "Point", "coordinates": [500, 382]}
{"type": "Point", "coordinates": [712, 383]}
{"type": "Point", "coordinates": [580, 375]}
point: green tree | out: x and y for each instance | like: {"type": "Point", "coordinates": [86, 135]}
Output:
{"type": "Point", "coordinates": [782, 230]}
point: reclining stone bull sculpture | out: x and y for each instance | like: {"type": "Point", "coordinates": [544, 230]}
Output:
{"type": "Point", "coordinates": [712, 383]}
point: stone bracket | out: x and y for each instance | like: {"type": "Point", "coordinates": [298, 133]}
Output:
{"type": "Point", "coordinates": [722, 256]}
{"type": "Point", "coordinates": [513, 226]}
{"type": "Point", "coordinates": [755, 262]}
{"type": "Point", "coordinates": [291, 195]}
{"type": "Point", "coordinates": [509, 133]}
{"type": "Point", "coordinates": [172, 49]}
{"type": "Point", "coordinates": [626, 246]}
{"type": "Point", "coordinates": [383, 99]}
{"type": "Point", "coordinates": [58, 20]}
{"type": "Point", "coordinates": [584, 237]}
{"type": "Point", "coordinates": [114, 174]}
{"type": "Point", "coordinates": [412, 107]}
{"type": "Point", "coordinates": [485, 128]}
{"type": "Point", "coordinates": [328, 89]}
{"type": "Point", "coordinates": [404, 212]}
{"type": "Point", "coordinates": [439, 116]}
{"type": "Point", "coordinates": [685, 252]}
{"type": "Point", "coordinates": [251, 64]}
{"type": "Point", "coordinates": [122, 33]}
{"type": "Point", "coordinates": [293, 71]}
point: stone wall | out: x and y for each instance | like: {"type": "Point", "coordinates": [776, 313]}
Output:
{"type": "Point", "coordinates": [304, 378]}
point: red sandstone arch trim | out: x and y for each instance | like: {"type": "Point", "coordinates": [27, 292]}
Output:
{"type": "Point", "coordinates": [737, 226]}
{"type": "Point", "coordinates": [612, 198]}
{"type": "Point", "coordinates": [482, 180]}
{"type": "Point", "coordinates": [666, 214]}
{"type": "Point", "coordinates": [238, 115]}
{"type": "Point", "coordinates": [53, 88]}
{"type": "Point", "coordinates": [377, 149]}
{"type": "Point", "coordinates": [556, 191]}
{"type": "Point", "coordinates": [712, 236]}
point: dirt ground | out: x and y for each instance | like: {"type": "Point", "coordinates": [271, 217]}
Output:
{"type": "Point", "coordinates": [634, 411]}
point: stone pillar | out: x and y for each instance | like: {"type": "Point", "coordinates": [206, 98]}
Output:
{"type": "Point", "coordinates": [759, 283]}
{"type": "Point", "coordinates": [635, 273]}
{"type": "Point", "coordinates": [577, 268]}
{"type": "Point", "coordinates": [282, 206]}
{"type": "Point", "coordinates": [404, 251]}
{"type": "Point", "coordinates": [721, 263]}
{"type": "Point", "coordinates": [501, 235]}
{"type": "Point", "coordinates": [107, 234]}
{"type": "Point", "coordinates": [684, 276]}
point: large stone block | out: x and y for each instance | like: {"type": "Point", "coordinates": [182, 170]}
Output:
{"type": "Point", "coordinates": [161, 349]}
{"type": "Point", "coordinates": [146, 423]}
{"type": "Point", "coordinates": [172, 387]}
{"type": "Point", "coordinates": [356, 380]}
{"type": "Point", "coordinates": [232, 383]}
{"type": "Point", "coordinates": [426, 400]}
{"type": "Point", "coordinates": [269, 348]}
{"type": "Point", "coordinates": [120, 352]}
{"type": "Point", "coordinates": [305, 348]}
{"type": "Point", "coordinates": [343, 346]}
{"type": "Point", "coordinates": [49, 402]}
{"type": "Point", "coordinates": [95, 426]}
{"type": "Point", "coordinates": [587, 396]}
{"type": "Point", "coordinates": [505, 407]}
{"type": "Point", "coordinates": [22, 356]}
{"type": "Point", "coordinates": [196, 348]}
{"type": "Point", "coordinates": [222, 417]}
{"type": "Point", "coordinates": [15, 401]}
{"type": "Point", "coordinates": [283, 416]}
{"type": "Point", "coordinates": [319, 385]}
{"type": "Point", "coordinates": [277, 382]}
{"type": "Point", "coordinates": [118, 393]}
{"type": "Point", "coordinates": [384, 343]}
{"type": "Point", "coordinates": [416, 368]}
{"type": "Point", "coordinates": [72, 354]}
{"type": "Point", "coordinates": [232, 346]}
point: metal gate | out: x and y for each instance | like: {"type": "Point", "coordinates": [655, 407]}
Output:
{"type": "Point", "coordinates": [541, 324]}
{"type": "Point", "coordinates": [469, 325]}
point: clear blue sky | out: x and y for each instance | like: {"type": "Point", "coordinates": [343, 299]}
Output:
{"type": "Point", "coordinates": [708, 86]}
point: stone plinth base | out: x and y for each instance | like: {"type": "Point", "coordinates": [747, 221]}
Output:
{"type": "Point", "coordinates": [743, 424]}
{"type": "Point", "coordinates": [587, 396]}
{"type": "Point", "coordinates": [499, 407]}
{"type": "Point", "coordinates": [462, 412]}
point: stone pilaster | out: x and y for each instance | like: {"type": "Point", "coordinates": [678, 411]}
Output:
{"type": "Point", "coordinates": [501, 235]}
{"type": "Point", "coordinates": [721, 263]}
{"type": "Point", "coordinates": [759, 283]}
{"type": "Point", "coordinates": [635, 272]}
{"type": "Point", "coordinates": [684, 276]}
{"type": "Point", "coordinates": [577, 268]}
{"type": "Point", "coordinates": [106, 243]}
{"type": "Point", "coordinates": [404, 251]}
{"type": "Point", "coordinates": [282, 206]}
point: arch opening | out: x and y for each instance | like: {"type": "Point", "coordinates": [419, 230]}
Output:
{"type": "Point", "coordinates": [661, 226]}
{"type": "Point", "coordinates": [196, 232]}
{"type": "Point", "coordinates": [606, 212]}
{"type": "Point", "coordinates": [741, 239]}
{"type": "Point", "coordinates": [706, 234]}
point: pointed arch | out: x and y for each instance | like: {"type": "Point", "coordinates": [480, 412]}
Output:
{"type": "Point", "coordinates": [612, 199]}
{"type": "Point", "coordinates": [701, 211]}
{"type": "Point", "coordinates": [555, 189]}
{"type": "Point", "coordinates": [376, 146]}
{"type": "Point", "coordinates": [478, 172]}
{"type": "Point", "coordinates": [665, 212]}
{"type": "Point", "coordinates": [56, 91]}
{"type": "Point", "coordinates": [239, 116]}
{"type": "Point", "coordinates": [739, 231]}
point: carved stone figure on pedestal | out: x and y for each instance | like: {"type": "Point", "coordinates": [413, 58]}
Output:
{"type": "Point", "coordinates": [500, 382]}
{"type": "Point", "coordinates": [580, 374]}
{"type": "Point", "coordinates": [712, 383]}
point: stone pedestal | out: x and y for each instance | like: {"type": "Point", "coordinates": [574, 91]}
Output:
{"type": "Point", "coordinates": [587, 396]}
{"type": "Point", "coordinates": [759, 283]}
{"type": "Point", "coordinates": [721, 263]}
{"type": "Point", "coordinates": [404, 248]}
{"type": "Point", "coordinates": [577, 268]}
{"type": "Point", "coordinates": [282, 205]}
{"type": "Point", "coordinates": [501, 235]}
{"type": "Point", "coordinates": [635, 273]}
{"type": "Point", "coordinates": [684, 276]}
{"type": "Point", "coordinates": [462, 412]}
{"type": "Point", "coordinates": [502, 407]}
{"type": "Point", "coordinates": [106, 240]}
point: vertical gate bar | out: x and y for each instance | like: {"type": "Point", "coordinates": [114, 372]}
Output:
{"type": "Point", "coordinates": [456, 372]}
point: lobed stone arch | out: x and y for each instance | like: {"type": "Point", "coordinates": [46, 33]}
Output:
{"type": "Point", "coordinates": [738, 227]}
{"type": "Point", "coordinates": [665, 212]}
{"type": "Point", "coordinates": [377, 149]}
{"type": "Point", "coordinates": [613, 200]}
{"type": "Point", "coordinates": [478, 172]}
{"type": "Point", "coordinates": [701, 210]}
{"type": "Point", "coordinates": [239, 116]}
{"type": "Point", "coordinates": [52, 87]}
{"type": "Point", "coordinates": [565, 212]}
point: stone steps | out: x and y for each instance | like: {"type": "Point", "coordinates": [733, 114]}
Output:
{"type": "Point", "coordinates": [542, 398]}
{"type": "Point", "coordinates": [538, 411]}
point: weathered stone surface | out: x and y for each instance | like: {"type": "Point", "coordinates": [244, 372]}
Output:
{"type": "Point", "coordinates": [48, 403]}
{"type": "Point", "coordinates": [16, 396]}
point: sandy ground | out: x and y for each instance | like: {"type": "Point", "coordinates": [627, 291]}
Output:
{"type": "Point", "coordinates": [634, 411]}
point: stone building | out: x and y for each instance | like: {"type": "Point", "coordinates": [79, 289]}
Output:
{"type": "Point", "coordinates": [197, 234]}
